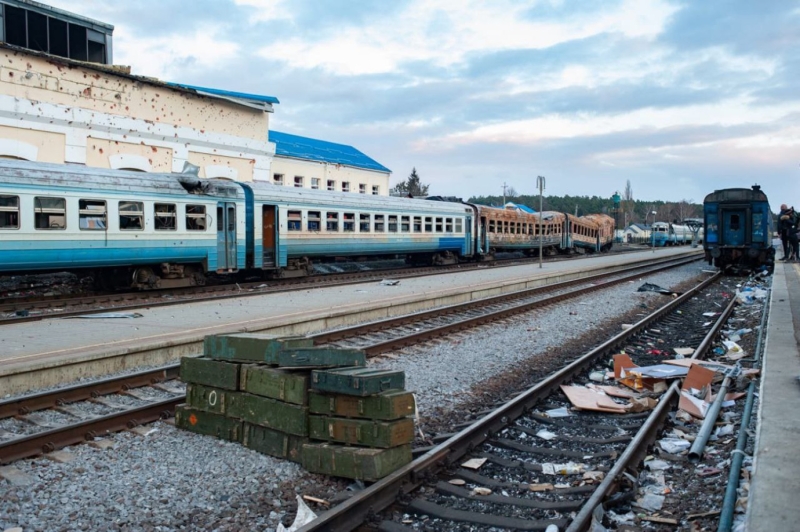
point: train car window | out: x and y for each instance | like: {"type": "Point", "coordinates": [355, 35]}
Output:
{"type": "Point", "coordinates": [459, 226]}
{"type": "Point", "coordinates": [735, 222]}
{"type": "Point", "coordinates": [439, 224]}
{"type": "Point", "coordinates": [9, 212]}
{"type": "Point", "coordinates": [405, 224]}
{"type": "Point", "coordinates": [448, 225]}
{"type": "Point", "coordinates": [512, 228]}
{"type": "Point", "coordinates": [196, 218]}
{"type": "Point", "coordinates": [380, 226]}
{"type": "Point", "coordinates": [349, 224]}
{"type": "Point", "coordinates": [294, 220]}
{"type": "Point", "coordinates": [92, 215]}
{"type": "Point", "coordinates": [363, 225]}
{"type": "Point", "coordinates": [345, 186]}
{"type": "Point", "coordinates": [428, 224]}
{"type": "Point", "coordinates": [392, 223]}
{"type": "Point", "coordinates": [50, 213]}
{"type": "Point", "coordinates": [417, 224]}
{"type": "Point", "coordinates": [131, 216]}
{"type": "Point", "coordinates": [331, 185]}
{"type": "Point", "coordinates": [314, 221]}
{"type": "Point", "coordinates": [332, 222]}
{"type": "Point", "coordinates": [491, 226]}
{"type": "Point", "coordinates": [165, 216]}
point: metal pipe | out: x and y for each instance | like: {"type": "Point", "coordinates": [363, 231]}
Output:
{"type": "Point", "coordinates": [696, 452]}
{"type": "Point", "coordinates": [729, 501]}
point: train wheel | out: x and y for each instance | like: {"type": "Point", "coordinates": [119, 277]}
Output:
{"type": "Point", "coordinates": [144, 279]}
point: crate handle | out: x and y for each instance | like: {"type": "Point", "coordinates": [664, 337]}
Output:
{"type": "Point", "coordinates": [386, 384]}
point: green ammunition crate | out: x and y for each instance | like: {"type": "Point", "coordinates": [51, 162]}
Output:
{"type": "Point", "coordinates": [249, 347]}
{"type": "Point", "coordinates": [321, 357]}
{"type": "Point", "coordinates": [393, 404]}
{"type": "Point", "coordinates": [272, 442]}
{"type": "Point", "coordinates": [270, 413]}
{"type": "Point", "coordinates": [212, 400]}
{"type": "Point", "coordinates": [207, 423]}
{"type": "Point", "coordinates": [285, 385]}
{"type": "Point", "coordinates": [383, 434]}
{"type": "Point", "coordinates": [210, 372]}
{"type": "Point", "coordinates": [354, 462]}
{"type": "Point", "coordinates": [357, 381]}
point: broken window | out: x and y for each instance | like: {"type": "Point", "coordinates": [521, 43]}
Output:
{"type": "Point", "coordinates": [9, 212]}
{"type": "Point", "coordinates": [332, 222]}
{"type": "Point", "coordinates": [417, 224]}
{"type": "Point", "coordinates": [380, 227]}
{"type": "Point", "coordinates": [50, 213]}
{"type": "Point", "coordinates": [364, 224]}
{"type": "Point", "coordinates": [92, 215]}
{"type": "Point", "coordinates": [165, 216]}
{"type": "Point", "coordinates": [349, 224]}
{"type": "Point", "coordinates": [392, 223]}
{"type": "Point", "coordinates": [196, 218]}
{"type": "Point", "coordinates": [405, 224]}
{"type": "Point", "coordinates": [131, 216]}
{"type": "Point", "coordinates": [314, 221]}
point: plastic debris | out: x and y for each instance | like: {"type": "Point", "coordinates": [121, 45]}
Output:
{"type": "Point", "coordinates": [657, 465]}
{"type": "Point", "coordinates": [674, 445]}
{"type": "Point", "coordinates": [390, 282]}
{"type": "Point", "coordinates": [650, 502]}
{"type": "Point", "coordinates": [108, 315]}
{"type": "Point", "coordinates": [650, 287]}
{"type": "Point", "coordinates": [304, 516]}
{"type": "Point", "coordinates": [561, 412]}
{"type": "Point", "coordinates": [570, 468]}
{"type": "Point", "coordinates": [546, 435]}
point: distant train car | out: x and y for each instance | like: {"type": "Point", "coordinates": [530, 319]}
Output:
{"type": "Point", "coordinates": [671, 234]}
{"type": "Point", "coordinates": [738, 229]}
{"type": "Point", "coordinates": [606, 226]}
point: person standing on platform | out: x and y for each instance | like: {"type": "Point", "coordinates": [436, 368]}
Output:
{"type": "Point", "coordinates": [794, 240]}
{"type": "Point", "coordinates": [783, 231]}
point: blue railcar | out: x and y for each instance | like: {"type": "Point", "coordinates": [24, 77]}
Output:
{"type": "Point", "coordinates": [738, 229]}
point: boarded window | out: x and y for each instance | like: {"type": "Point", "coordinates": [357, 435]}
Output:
{"type": "Point", "coordinates": [439, 225]}
{"type": "Point", "coordinates": [380, 226]}
{"type": "Point", "coordinates": [294, 220]}
{"type": "Point", "coordinates": [131, 216]}
{"type": "Point", "coordinates": [165, 217]}
{"type": "Point", "coordinates": [50, 213]}
{"type": "Point", "coordinates": [92, 215]}
{"type": "Point", "coordinates": [349, 223]}
{"type": "Point", "coordinates": [417, 224]}
{"type": "Point", "coordinates": [428, 224]}
{"type": "Point", "coordinates": [332, 221]}
{"type": "Point", "coordinates": [364, 223]}
{"type": "Point", "coordinates": [314, 221]}
{"type": "Point", "coordinates": [392, 223]}
{"type": "Point", "coordinates": [9, 212]}
{"type": "Point", "coordinates": [196, 218]}
{"type": "Point", "coordinates": [448, 225]}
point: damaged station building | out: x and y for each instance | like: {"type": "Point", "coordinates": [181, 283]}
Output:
{"type": "Point", "coordinates": [63, 101]}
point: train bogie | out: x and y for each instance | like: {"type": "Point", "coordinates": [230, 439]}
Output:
{"type": "Point", "coordinates": [738, 229]}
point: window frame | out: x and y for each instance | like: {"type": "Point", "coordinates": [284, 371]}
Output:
{"type": "Point", "coordinates": [332, 221]}
{"type": "Point", "coordinates": [195, 216]}
{"type": "Point", "coordinates": [138, 214]}
{"type": "Point", "coordinates": [365, 218]}
{"type": "Point", "coordinates": [314, 217]}
{"type": "Point", "coordinates": [294, 220]}
{"type": "Point", "coordinates": [165, 214]}
{"type": "Point", "coordinates": [43, 210]}
{"type": "Point", "coordinates": [85, 213]}
{"type": "Point", "coordinates": [11, 210]}
{"type": "Point", "coordinates": [349, 222]}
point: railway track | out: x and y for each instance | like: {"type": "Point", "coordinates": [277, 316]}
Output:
{"type": "Point", "coordinates": [537, 469]}
{"type": "Point", "coordinates": [25, 431]}
{"type": "Point", "coordinates": [33, 308]}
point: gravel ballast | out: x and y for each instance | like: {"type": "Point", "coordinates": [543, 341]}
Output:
{"type": "Point", "coordinates": [174, 480]}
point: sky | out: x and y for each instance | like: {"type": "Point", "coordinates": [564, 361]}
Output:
{"type": "Point", "coordinates": [678, 97]}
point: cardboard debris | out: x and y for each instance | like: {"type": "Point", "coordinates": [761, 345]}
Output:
{"type": "Point", "coordinates": [685, 351]}
{"type": "Point", "coordinates": [542, 487]}
{"type": "Point", "coordinates": [696, 391]}
{"type": "Point", "coordinates": [616, 391]}
{"type": "Point", "coordinates": [474, 463]}
{"type": "Point", "coordinates": [642, 404]}
{"type": "Point", "coordinates": [587, 399]}
{"type": "Point", "coordinates": [629, 374]}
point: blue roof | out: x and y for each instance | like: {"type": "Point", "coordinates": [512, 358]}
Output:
{"type": "Point", "coordinates": [523, 208]}
{"type": "Point", "coordinates": [319, 150]}
{"type": "Point", "coordinates": [228, 94]}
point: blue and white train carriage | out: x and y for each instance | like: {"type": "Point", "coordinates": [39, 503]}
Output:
{"type": "Point", "coordinates": [142, 230]}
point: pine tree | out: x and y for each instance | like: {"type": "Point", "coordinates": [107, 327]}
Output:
{"type": "Point", "coordinates": [411, 186]}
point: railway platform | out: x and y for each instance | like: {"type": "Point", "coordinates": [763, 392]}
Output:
{"type": "Point", "coordinates": [775, 485]}
{"type": "Point", "coordinates": [53, 351]}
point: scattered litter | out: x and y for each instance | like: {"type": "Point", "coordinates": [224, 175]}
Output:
{"type": "Point", "coordinates": [588, 399]}
{"type": "Point", "coordinates": [457, 481]}
{"type": "Point", "coordinates": [674, 445]}
{"type": "Point", "coordinates": [708, 472]}
{"type": "Point", "coordinates": [309, 498]}
{"type": "Point", "coordinates": [597, 376]}
{"type": "Point", "coordinates": [474, 463]}
{"type": "Point", "coordinates": [481, 491]}
{"type": "Point", "coordinates": [594, 475]}
{"type": "Point", "coordinates": [22, 313]}
{"type": "Point", "coordinates": [710, 314]}
{"type": "Point", "coordinates": [621, 519]}
{"type": "Point", "coordinates": [304, 516]}
{"type": "Point", "coordinates": [626, 326]}
{"type": "Point", "coordinates": [108, 315]}
{"type": "Point", "coordinates": [562, 412]}
{"type": "Point", "coordinates": [650, 502]}
{"type": "Point", "coordinates": [650, 287]}
{"type": "Point", "coordinates": [722, 430]}
{"type": "Point", "coordinates": [390, 282]}
{"type": "Point", "coordinates": [642, 404]}
{"type": "Point", "coordinates": [663, 520]}
{"type": "Point", "coordinates": [684, 351]}
{"type": "Point", "coordinates": [547, 435]}
{"type": "Point", "coordinates": [657, 465]}
{"type": "Point", "coordinates": [570, 468]}
{"type": "Point", "coordinates": [541, 487]}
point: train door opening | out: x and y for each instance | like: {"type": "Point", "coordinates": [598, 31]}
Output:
{"type": "Point", "coordinates": [226, 236]}
{"type": "Point", "coordinates": [269, 239]}
{"type": "Point", "coordinates": [734, 228]}
{"type": "Point", "coordinates": [468, 251]}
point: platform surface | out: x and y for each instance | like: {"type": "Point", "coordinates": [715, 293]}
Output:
{"type": "Point", "coordinates": [30, 344]}
{"type": "Point", "coordinates": [774, 502]}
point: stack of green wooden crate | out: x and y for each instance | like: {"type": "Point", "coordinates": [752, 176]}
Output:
{"type": "Point", "coordinates": [364, 416]}
{"type": "Point", "coordinates": [255, 389]}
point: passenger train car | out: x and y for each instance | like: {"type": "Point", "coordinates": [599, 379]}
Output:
{"type": "Point", "coordinates": [671, 234]}
{"type": "Point", "coordinates": [147, 230]}
{"type": "Point", "coordinates": [738, 229]}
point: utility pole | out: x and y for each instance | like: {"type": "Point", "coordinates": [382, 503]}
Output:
{"type": "Point", "coordinates": [540, 183]}
{"type": "Point", "coordinates": [504, 194]}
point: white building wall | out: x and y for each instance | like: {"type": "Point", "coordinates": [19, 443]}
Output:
{"type": "Point", "coordinates": [286, 169]}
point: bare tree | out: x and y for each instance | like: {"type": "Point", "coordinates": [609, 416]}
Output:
{"type": "Point", "coordinates": [628, 204]}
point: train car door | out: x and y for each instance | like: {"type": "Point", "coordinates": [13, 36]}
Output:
{"type": "Point", "coordinates": [269, 239]}
{"type": "Point", "coordinates": [468, 248]}
{"type": "Point", "coordinates": [226, 236]}
{"type": "Point", "coordinates": [734, 224]}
